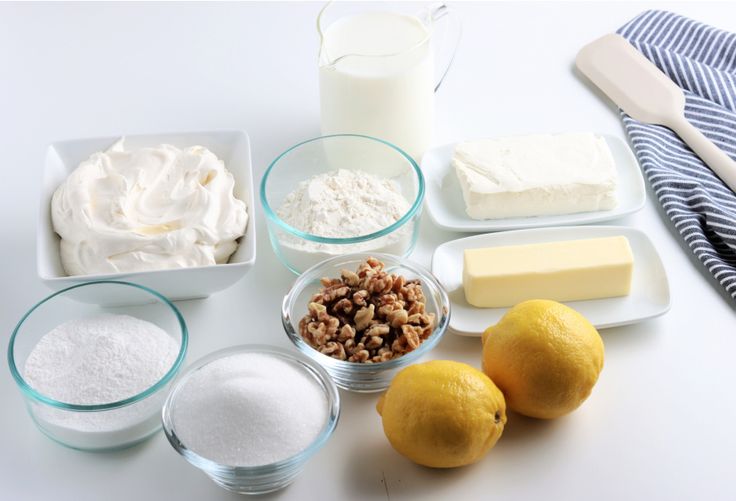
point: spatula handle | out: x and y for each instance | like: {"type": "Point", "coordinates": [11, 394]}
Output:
{"type": "Point", "coordinates": [714, 157]}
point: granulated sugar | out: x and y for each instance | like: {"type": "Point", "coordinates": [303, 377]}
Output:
{"type": "Point", "coordinates": [99, 360]}
{"type": "Point", "coordinates": [249, 409]}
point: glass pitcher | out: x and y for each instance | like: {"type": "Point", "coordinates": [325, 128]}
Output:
{"type": "Point", "coordinates": [377, 71]}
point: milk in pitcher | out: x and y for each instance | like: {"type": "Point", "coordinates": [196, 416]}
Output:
{"type": "Point", "coordinates": [377, 78]}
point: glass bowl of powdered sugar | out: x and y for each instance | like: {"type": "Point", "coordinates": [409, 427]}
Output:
{"type": "Point", "coordinates": [250, 416]}
{"type": "Point", "coordinates": [341, 194]}
{"type": "Point", "coordinates": [96, 378]}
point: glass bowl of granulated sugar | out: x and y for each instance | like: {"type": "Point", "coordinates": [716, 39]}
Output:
{"type": "Point", "coordinates": [96, 378]}
{"type": "Point", "coordinates": [251, 416]}
{"type": "Point", "coordinates": [341, 194]}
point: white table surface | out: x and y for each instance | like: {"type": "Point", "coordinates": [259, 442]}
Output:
{"type": "Point", "coordinates": [659, 424]}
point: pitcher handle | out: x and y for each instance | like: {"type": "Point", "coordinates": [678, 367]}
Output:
{"type": "Point", "coordinates": [437, 12]}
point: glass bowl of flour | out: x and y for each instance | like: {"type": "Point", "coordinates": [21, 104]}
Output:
{"type": "Point", "coordinates": [96, 378]}
{"type": "Point", "coordinates": [341, 194]}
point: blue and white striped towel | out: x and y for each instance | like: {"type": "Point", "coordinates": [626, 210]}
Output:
{"type": "Point", "coordinates": [702, 61]}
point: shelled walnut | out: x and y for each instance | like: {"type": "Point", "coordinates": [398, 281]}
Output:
{"type": "Point", "coordinates": [367, 316]}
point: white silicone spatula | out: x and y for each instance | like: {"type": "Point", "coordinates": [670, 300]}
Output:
{"type": "Point", "coordinates": [639, 88]}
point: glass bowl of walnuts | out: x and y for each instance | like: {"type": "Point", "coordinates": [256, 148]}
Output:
{"type": "Point", "coordinates": [364, 316]}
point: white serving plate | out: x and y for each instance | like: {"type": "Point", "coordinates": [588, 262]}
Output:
{"type": "Point", "coordinates": [446, 206]}
{"type": "Point", "coordinates": [649, 297]}
{"type": "Point", "coordinates": [232, 146]}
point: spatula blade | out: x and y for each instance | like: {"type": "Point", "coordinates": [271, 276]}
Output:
{"type": "Point", "coordinates": [630, 80]}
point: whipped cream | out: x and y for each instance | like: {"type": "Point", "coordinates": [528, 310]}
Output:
{"type": "Point", "coordinates": [148, 209]}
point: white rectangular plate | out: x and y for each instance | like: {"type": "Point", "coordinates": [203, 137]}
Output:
{"type": "Point", "coordinates": [649, 297]}
{"type": "Point", "coordinates": [446, 206]}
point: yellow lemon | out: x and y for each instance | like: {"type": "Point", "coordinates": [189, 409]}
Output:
{"type": "Point", "coordinates": [442, 413]}
{"type": "Point", "coordinates": [544, 356]}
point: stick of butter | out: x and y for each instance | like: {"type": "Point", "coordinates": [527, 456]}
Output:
{"type": "Point", "coordinates": [562, 271]}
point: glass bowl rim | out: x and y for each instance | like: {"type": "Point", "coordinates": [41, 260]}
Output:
{"type": "Point", "coordinates": [416, 205]}
{"type": "Point", "coordinates": [208, 465]}
{"type": "Point", "coordinates": [161, 383]}
{"type": "Point", "coordinates": [426, 276]}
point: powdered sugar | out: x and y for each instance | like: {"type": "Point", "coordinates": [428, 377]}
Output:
{"type": "Point", "coordinates": [249, 409]}
{"type": "Point", "coordinates": [343, 203]}
{"type": "Point", "coordinates": [99, 360]}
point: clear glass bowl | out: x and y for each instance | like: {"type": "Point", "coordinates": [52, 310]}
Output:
{"type": "Point", "coordinates": [108, 426]}
{"type": "Point", "coordinates": [299, 250]}
{"type": "Point", "coordinates": [352, 376]}
{"type": "Point", "coordinates": [264, 478]}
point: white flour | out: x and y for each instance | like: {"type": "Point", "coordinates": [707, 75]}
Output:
{"type": "Point", "coordinates": [99, 360]}
{"type": "Point", "coordinates": [343, 204]}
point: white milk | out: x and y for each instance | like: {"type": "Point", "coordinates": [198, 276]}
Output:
{"type": "Point", "coordinates": [377, 78]}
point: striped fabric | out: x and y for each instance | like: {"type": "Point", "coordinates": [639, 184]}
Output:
{"type": "Point", "coordinates": [702, 61]}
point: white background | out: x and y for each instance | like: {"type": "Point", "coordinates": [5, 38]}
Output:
{"type": "Point", "coordinates": [660, 422]}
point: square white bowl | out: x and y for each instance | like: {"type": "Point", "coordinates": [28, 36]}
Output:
{"type": "Point", "coordinates": [231, 146]}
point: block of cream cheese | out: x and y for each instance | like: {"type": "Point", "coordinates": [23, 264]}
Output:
{"type": "Point", "coordinates": [537, 175]}
{"type": "Point", "coordinates": [568, 270]}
